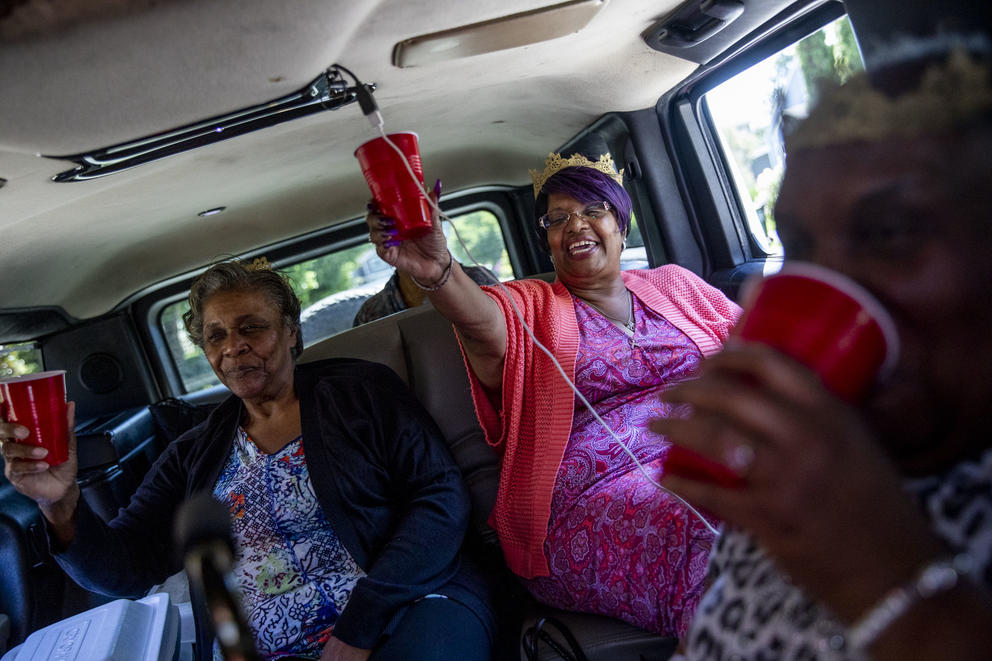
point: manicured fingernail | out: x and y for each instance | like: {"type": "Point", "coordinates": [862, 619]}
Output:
{"type": "Point", "coordinates": [390, 231]}
{"type": "Point", "coordinates": [391, 243]}
{"type": "Point", "coordinates": [386, 222]}
{"type": "Point", "coordinates": [39, 453]}
{"type": "Point", "coordinates": [437, 189]}
{"type": "Point", "coordinates": [21, 432]}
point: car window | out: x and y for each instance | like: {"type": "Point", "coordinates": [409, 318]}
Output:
{"type": "Point", "coordinates": [752, 111]}
{"type": "Point", "coordinates": [19, 359]}
{"type": "Point", "coordinates": [480, 230]}
{"type": "Point", "coordinates": [634, 255]}
{"type": "Point", "coordinates": [333, 287]}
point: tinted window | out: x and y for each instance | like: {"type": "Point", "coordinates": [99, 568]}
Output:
{"type": "Point", "coordinates": [19, 359]}
{"type": "Point", "coordinates": [752, 110]}
{"type": "Point", "coordinates": [333, 287]}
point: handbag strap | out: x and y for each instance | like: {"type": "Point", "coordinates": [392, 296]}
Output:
{"type": "Point", "coordinates": [538, 633]}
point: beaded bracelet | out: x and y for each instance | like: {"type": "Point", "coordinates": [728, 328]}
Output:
{"type": "Point", "coordinates": [445, 274]}
{"type": "Point", "coordinates": [933, 579]}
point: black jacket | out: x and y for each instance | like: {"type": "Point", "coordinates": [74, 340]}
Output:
{"type": "Point", "coordinates": [381, 472]}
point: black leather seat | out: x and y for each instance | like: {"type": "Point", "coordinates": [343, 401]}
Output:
{"type": "Point", "coordinates": [33, 585]}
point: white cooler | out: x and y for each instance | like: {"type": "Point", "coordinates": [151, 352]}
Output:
{"type": "Point", "coordinates": [149, 629]}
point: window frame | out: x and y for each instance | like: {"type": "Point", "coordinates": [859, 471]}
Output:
{"type": "Point", "coordinates": [705, 180]}
{"type": "Point", "coordinates": [148, 305]}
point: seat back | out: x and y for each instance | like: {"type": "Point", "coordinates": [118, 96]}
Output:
{"type": "Point", "coordinates": [420, 346]}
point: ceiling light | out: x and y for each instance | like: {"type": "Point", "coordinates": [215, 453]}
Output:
{"type": "Point", "coordinates": [211, 212]}
{"type": "Point", "coordinates": [527, 27]}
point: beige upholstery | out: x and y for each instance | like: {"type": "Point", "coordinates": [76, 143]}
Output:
{"type": "Point", "coordinates": [420, 346]}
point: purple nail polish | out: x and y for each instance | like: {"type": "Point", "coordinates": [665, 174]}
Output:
{"type": "Point", "coordinates": [437, 189]}
{"type": "Point", "coordinates": [391, 243]}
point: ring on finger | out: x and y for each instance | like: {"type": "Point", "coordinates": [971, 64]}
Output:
{"type": "Point", "coordinates": [739, 457]}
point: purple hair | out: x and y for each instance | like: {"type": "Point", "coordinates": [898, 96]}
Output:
{"type": "Point", "coordinates": [585, 185]}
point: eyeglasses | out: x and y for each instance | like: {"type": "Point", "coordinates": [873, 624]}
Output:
{"type": "Point", "coordinates": [592, 212]}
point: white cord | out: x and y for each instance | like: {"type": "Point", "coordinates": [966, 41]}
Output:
{"type": "Point", "coordinates": [537, 343]}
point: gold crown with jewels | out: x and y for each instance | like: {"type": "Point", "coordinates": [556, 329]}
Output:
{"type": "Point", "coordinates": [555, 163]}
{"type": "Point", "coordinates": [259, 264]}
{"type": "Point", "coordinates": [949, 95]}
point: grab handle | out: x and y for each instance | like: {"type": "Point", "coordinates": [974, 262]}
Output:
{"type": "Point", "coordinates": [694, 23]}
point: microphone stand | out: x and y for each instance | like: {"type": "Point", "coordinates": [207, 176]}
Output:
{"type": "Point", "coordinates": [204, 533]}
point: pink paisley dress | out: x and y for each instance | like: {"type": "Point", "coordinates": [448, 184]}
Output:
{"type": "Point", "coordinates": [616, 544]}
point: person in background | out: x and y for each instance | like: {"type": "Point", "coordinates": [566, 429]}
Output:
{"type": "Point", "coordinates": [865, 531]}
{"type": "Point", "coordinates": [400, 293]}
{"type": "Point", "coordinates": [577, 520]}
{"type": "Point", "coordinates": [348, 511]}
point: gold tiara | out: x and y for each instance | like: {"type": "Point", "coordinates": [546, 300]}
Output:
{"type": "Point", "coordinates": [260, 264]}
{"type": "Point", "coordinates": [555, 162]}
{"type": "Point", "coordinates": [948, 96]}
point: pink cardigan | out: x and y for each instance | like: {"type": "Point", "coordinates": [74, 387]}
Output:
{"type": "Point", "coordinates": [533, 424]}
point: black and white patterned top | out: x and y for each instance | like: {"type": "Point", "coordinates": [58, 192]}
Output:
{"type": "Point", "coordinates": [752, 611]}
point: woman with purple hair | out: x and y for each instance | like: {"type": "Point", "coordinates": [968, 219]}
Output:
{"type": "Point", "coordinates": [577, 519]}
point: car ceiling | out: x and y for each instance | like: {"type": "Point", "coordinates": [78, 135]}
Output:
{"type": "Point", "coordinates": [80, 76]}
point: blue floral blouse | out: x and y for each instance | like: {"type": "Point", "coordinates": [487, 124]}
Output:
{"type": "Point", "coordinates": [294, 574]}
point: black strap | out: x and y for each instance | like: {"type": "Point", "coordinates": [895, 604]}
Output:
{"type": "Point", "coordinates": [538, 633]}
{"type": "Point", "coordinates": [174, 416]}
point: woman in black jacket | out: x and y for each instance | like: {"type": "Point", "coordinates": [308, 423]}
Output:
{"type": "Point", "coordinates": [347, 509]}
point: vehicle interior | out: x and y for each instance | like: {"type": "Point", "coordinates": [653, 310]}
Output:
{"type": "Point", "coordinates": [143, 140]}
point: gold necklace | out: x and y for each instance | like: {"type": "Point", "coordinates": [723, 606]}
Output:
{"type": "Point", "coordinates": [626, 325]}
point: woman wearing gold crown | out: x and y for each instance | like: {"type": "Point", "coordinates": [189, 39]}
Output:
{"type": "Point", "coordinates": [576, 518]}
{"type": "Point", "coordinates": [866, 531]}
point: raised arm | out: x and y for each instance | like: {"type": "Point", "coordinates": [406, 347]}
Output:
{"type": "Point", "coordinates": [477, 320]}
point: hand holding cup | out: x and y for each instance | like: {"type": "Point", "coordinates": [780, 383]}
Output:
{"type": "Point", "coordinates": [37, 442]}
{"type": "Point", "coordinates": [820, 319]}
{"type": "Point", "coordinates": [424, 257]}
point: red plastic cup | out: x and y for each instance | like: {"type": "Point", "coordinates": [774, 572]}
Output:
{"type": "Point", "coordinates": [399, 197]}
{"type": "Point", "coordinates": [37, 401]}
{"type": "Point", "coordinates": [822, 319]}
{"type": "Point", "coordinates": [689, 463]}
{"type": "Point", "coordinates": [826, 321]}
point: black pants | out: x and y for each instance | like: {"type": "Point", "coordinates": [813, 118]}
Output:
{"type": "Point", "coordinates": [436, 630]}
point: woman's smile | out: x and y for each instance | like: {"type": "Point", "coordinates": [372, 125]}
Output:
{"type": "Point", "coordinates": [581, 247]}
